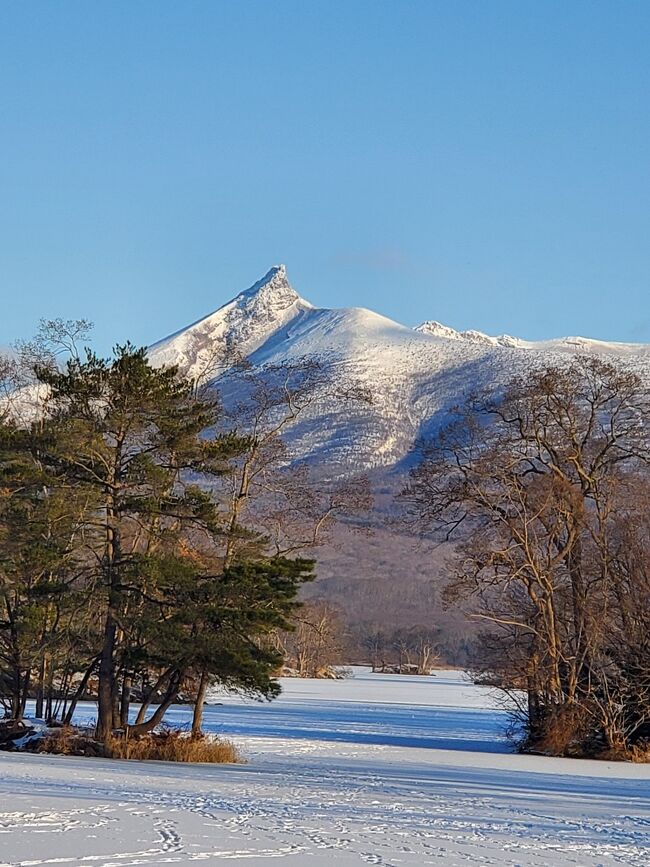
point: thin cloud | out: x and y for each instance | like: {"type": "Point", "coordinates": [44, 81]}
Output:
{"type": "Point", "coordinates": [384, 259]}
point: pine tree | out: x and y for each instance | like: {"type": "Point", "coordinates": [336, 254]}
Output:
{"type": "Point", "coordinates": [39, 565]}
{"type": "Point", "coordinates": [168, 602]}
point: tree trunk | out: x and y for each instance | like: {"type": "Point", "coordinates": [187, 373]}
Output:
{"type": "Point", "coordinates": [40, 689]}
{"type": "Point", "coordinates": [67, 719]}
{"type": "Point", "coordinates": [106, 682]}
{"type": "Point", "coordinates": [146, 702]}
{"type": "Point", "coordinates": [197, 718]}
{"type": "Point", "coordinates": [161, 710]}
{"type": "Point", "coordinates": [115, 699]}
{"type": "Point", "coordinates": [125, 702]}
{"type": "Point", "coordinates": [107, 689]}
{"type": "Point", "coordinates": [25, 692]}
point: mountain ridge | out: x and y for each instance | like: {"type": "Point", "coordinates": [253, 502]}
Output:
{"type": "Point", "coordinates": [414, 374]}
{"type": "Point", "coordinates": [415, 379]}
{"type": "Point", "coordinates": [256, 313]}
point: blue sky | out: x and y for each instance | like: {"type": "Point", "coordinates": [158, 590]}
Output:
{"type": "Point", "coordinates": [481, 163]}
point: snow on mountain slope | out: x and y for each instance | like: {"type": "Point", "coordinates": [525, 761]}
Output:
{"type": "Point", "coordinates": [241, 325]}
{"type": "Point", "coordinates": [437, 329]}
{"type": "Point", "coordinates": [414, 375]}
{"type": "Point", "coordinates": [573, 345]}
{"type": "Point", "coordinates": [639, 352]}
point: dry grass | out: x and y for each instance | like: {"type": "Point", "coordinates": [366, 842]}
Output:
{"type": "Point", "coordinates": [166, 746]}
{"type": "Point", "coordinates": [637, 754]}
{"type": "Point", "coordinates": [565, 732]}
{"type": "Point", "coordinates": [569, 732]}
{"type": "Point", "coordinates": [68, 741]}
{"type": "Point", "coordinates": [175, 746]}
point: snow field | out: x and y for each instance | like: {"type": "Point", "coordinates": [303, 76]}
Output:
{"type": "Point", "coordinates": [377, 769]}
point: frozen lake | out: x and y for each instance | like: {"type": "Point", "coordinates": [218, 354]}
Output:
{"type": "Point", "coordinates": [377, 769]}
{"type": "Point", "coordinates": [444, 711]}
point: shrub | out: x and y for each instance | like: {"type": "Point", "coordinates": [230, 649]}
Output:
{"type": "Point", "coordinates": [175, 746]}
{"type": "Point", "coordinates": [169, 745]}
{"type": "Point", "coordinates": [564, 731]}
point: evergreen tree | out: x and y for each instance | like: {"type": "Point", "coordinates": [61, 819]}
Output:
{"type": "Point", "coordinates": [128, 439]}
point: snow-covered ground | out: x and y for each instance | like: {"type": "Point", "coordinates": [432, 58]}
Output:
{"type": "Point", "coordinates": [378, 769]}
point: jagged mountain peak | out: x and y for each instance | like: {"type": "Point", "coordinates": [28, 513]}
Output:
{"type": "Point", "coordinates": [275, 280]}
{"type": "Point", "coordinates": [268, 298]}
{"type": "Point", "coordinates": [270, 316]}
{"type": "Point", "coordinates": [437, 329]}
{"type": "Point", "coordinates": [242, 325]}
{"type": "Point", "coordinates": [274, 289]}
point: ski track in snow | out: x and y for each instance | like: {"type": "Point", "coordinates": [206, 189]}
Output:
{"type": "Point", "coordinates": [361, 784]}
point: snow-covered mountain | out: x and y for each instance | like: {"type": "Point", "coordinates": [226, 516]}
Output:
{"type": "Point", "coordinates": [414, 375]}
{"type": "Point", "coordinates": [242, 324]}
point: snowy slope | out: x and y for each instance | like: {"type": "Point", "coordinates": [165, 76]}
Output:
{"type": "Point", "coordinates": [414, 375]}
{"type": "Point", "coordinates": [242, 324]}
{"type": "Point", "coordinates": [573, 345]}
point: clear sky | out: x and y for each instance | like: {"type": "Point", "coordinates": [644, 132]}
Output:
{"type": "Point", "coordinates": [482, 163]}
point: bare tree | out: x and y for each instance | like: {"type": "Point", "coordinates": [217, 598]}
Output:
{"type": "Point", "coordinates": [314, 646]}
{"type": "Point", "coordinates": [532, 484]}
{"type": "Point", "coordinates": [287, 502]}
{"type": "Point", "coordinates": [268, 497]}
{"type": "Point", "coordinates": [56, 339]}
{"type": "Point", "coordinates": [375, 643]}
{"type": "Point", "coordinates": [22, 397]}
